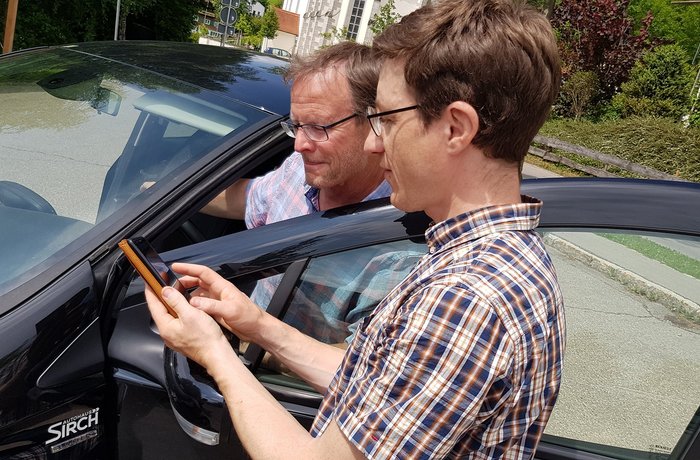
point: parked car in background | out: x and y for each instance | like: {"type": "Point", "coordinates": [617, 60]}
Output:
{"type": "Point", "coordinates": [83, 372]}
{"type": "Point", "coordinates": [279, 52]}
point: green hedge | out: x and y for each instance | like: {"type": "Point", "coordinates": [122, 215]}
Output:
{"type": "Point", "coordinates": [657, 143]}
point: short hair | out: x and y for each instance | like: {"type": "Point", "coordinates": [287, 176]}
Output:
{"type": "Point", "coordinates": [500, 56]}
{"type": "Point", "coordinates": [353, 60]}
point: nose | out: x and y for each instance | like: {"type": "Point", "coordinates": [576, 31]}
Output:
{"type": "Point", "coordinates": [374, 144]}
{"type": "Point", "coordinates": [303, 143]}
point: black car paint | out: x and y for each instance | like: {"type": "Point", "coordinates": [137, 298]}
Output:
{"type": "Point", "coordinates": [55, 326]}
{"type": "Point", "coordinates": [86, 341]}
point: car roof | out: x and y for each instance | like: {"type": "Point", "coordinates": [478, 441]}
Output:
{"type": "Point", "coordinates": [250, 77]}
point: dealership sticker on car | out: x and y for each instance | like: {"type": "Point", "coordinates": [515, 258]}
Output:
{"type": "Point", "coordinates": [83, 425]}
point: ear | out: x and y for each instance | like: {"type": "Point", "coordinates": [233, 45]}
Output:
{"type": "Point", "coordinates": [463, 122]}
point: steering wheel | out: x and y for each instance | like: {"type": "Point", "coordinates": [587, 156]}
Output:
{"type": "Point", "coordinates": [15, 195]}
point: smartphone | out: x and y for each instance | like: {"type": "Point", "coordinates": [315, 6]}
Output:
{"type": "Point", "coordinates": [156, 273]}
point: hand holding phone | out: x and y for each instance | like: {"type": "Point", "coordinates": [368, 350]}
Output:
{"type": "Point", "coordinates": [154, 271]}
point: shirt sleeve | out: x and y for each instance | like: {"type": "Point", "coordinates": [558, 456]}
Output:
{"type": "Point", "coordinates": [260, 193]}
{"type": "Point", "coordinates": [435, 370]}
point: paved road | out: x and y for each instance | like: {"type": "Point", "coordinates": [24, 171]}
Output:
{"type": "Point", "coordinates": [631, 364]}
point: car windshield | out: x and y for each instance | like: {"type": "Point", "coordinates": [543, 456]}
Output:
{"type": "Point", "coordinates": [82, 135]}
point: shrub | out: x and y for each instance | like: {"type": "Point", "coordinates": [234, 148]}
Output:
{"type": "Point", "coordinates": [659, 85]}
{"type": "Point", "coordinates": [577, 94]}
{"type": "Point", "coordinates": [655, 142]}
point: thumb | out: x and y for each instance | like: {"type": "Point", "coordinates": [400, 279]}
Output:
{"type": "Point", "coordinates": [175, 302]}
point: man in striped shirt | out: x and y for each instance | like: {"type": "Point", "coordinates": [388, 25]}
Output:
{"type": "Point", "coordinates": [329, 94]}
{"type": "Point", "coordinates": [463, 359]}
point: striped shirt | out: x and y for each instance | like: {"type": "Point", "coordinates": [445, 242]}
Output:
{"type": "Point", "coordinates": [283, 193]}
{"type": "Point", "coordinates": [463, 358]}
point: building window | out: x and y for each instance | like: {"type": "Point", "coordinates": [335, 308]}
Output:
{"type": "Point", "coordinates": [207, 21]}
{"type": "Point", "coordinates": [355, 18]}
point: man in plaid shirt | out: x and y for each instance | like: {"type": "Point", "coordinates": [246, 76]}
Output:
{"type": "Point", "coordinates": [464, 358]}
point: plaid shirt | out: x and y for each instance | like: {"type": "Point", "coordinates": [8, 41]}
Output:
{"type": "Point", "coordinates": [463, 358]}
{"type": "Point", "coordinates": [283, 193]}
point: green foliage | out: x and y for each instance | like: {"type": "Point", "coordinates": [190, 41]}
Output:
{"type": "Point", "coordinates": [54, 22]}
{"type": "Point", "coordinates": [384, 18]}
{"type": "Point", "coordinates": [171, 20]}
{"type": "Point", "coordinates": [598, 36]}
{"type": "Point", "coordinates": [659, 85]}
{"type": "Point", "coordinates": [335, 36]}
{"type": "Point", "coordinates": [663, 254]}
{"type": "Point", "coordinates": [269, 24]}
{"type": "Point", "coordinates": [679, 24]}
{"type": "Point", "coordinates": [658, 143]}
{"type": "Point", "coordinates": [254, 28]}
{"type": "Point", "coordinates": [577, 94]}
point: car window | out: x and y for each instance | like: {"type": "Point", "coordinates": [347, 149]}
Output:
{"type": "Point", "coordinates": [336, 291]}
{"type": "Point", "coordinates": [630, 382]}
{"type": "Point", "coordinates": [83, 136]}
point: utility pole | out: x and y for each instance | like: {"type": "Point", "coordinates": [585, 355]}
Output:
{"type": "Point", "coordinates": [10, 23]}
{"type": "Point", "coordinates": [116, 21]}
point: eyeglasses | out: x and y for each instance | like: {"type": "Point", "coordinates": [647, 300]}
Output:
{"type": "Point", "coordinates": [316, 133]}
{"type": "Point", "coordinates": [375, 118]}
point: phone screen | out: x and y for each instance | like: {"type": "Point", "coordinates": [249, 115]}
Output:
{"type": "Point", "coordinates": [151, 267]}
{"type": "Point", "coordinates": [162, 270]}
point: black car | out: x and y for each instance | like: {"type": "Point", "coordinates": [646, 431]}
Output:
{"type": "Point", "coordinates": [83, 372]}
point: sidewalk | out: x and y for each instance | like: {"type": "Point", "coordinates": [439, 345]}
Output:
{"type": "Point", "coordinates": [643, 275]}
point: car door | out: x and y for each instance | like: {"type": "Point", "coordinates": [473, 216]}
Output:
{"type": "Point", "coordinates": [630, 388]}
{"type": "Point", "coordinates": [166, 396]}
{"type": "Point", "coordinates": [627, 255]}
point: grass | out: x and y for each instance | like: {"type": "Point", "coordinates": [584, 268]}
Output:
{"type": "Point", "coordinates": [654, 142]}
{"type": "Point", "coordinates": [667, 256]}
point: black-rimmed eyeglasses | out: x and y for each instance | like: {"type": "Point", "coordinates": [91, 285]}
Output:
{"type": "Point", "coordinates": [316, 133]}
{"type": "Point", "coordinates": [375, 118]}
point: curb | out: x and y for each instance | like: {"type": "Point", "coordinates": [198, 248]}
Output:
{"type": "Point", "coordinates": [635, 283]}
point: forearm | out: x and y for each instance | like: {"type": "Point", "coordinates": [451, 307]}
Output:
{"type": "Point", "coordinates": [255, 413]}
{"type": "Point", "coordinates": [229, 204]}
{"type": "Point", "coordinates": [313, 361]}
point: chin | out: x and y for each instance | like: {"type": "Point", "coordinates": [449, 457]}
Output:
{"type": "Point", "coordinates": [400, 203]}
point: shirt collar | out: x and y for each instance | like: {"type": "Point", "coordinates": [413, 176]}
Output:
{"type": "Point", "coordinates": [312, 194]}
{"type": "Point", "coordinates": [477, 223]}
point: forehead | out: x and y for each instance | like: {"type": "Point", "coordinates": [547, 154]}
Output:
{"type": "Point", "coordinates": [392, 88]}
{"type": "Point", "coordinates": [319, 96]}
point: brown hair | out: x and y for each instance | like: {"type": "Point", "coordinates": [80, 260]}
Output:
{"type": "Point", "coordinates": [353, 60]}
{"type": "Point", "coordinates": [500, 56]}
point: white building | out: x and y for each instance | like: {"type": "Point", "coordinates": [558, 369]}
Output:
{"type": "Point", "coordinates": [329, 17]}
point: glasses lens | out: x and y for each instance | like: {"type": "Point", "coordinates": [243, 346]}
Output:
{"type": "Point", "coordinates": [315, 132]}
{"type": "Point", "coordinates": [374, 122]}
{"type": "Point", "coordinates": [289, 129]}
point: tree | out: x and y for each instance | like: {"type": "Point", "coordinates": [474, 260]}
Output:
{"type": "Point", "coordinates": [55, 22]}
{"type": "Point", "coordinates": [336, 35]}
{"type": "Point", "coordinates": [546, 6]}
{"type": "Point", "coordinates": [577, 94]}
{"type": "Point", "coordinates": [255, 28]}
{"type": "Point", "coordinates": [598, 36]}
{"type": "Point", "coordinates": [673, 23]}
{"type": "Point", "coordinates": [269, 23]}
{"type": "Point", "coordinates": [659, 85]}
{"type": "Point", "coordinates": [384, 18]}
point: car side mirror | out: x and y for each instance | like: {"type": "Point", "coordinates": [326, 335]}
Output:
{"type": "Point", "coordinates": [198, 406]}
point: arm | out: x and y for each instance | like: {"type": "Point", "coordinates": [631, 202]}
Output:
{"type": "Point", "coordinates": [253, 410]}
{"type": "Point", "coordinates": [313, 361]}
{"type": "Point", "coordinates": [230, 203]}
